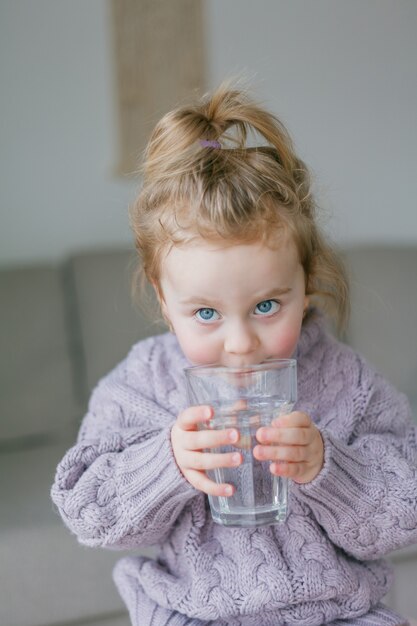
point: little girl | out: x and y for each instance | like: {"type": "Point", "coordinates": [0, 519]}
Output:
{"type": "Point", "coordinates": [227, 237]}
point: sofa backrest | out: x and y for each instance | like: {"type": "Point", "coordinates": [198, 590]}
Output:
{"type": "Point", "coordinates": [383, 324]}
{"type": "Point", "coordinates": [109, 322]}
{"type": "Point", "coordinates": [37, 393]}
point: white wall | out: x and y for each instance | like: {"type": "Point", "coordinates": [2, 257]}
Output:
{"type": "Point", "coordinates": [341, 75]}
{"type": "Point", "coordinates": [58, 191]}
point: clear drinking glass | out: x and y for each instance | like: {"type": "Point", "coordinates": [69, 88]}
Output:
{"type": "Point", "coordinates": [246, 398]}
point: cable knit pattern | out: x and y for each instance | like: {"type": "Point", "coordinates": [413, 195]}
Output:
{"type": "Point", "coordinates": [120, 487]}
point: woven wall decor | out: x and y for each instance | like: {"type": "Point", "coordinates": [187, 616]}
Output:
{"type": "Point", "coordinates": [159, 62]}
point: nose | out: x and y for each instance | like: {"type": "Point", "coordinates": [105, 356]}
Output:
{"type": "Point", "coordinates": [240, 339]}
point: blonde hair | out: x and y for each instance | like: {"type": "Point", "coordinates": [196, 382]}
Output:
{"type": "Point", "coordinates": [201, 178]}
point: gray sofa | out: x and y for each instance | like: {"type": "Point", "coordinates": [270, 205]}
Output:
{"type": "Point", "coordinates": [62, 328]}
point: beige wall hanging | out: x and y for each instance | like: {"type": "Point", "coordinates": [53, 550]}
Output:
{"type": "Point", "coordinates": [159, 54]}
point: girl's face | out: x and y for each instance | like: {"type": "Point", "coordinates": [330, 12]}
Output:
{"type": "Point", "coordinates": [234, 305]}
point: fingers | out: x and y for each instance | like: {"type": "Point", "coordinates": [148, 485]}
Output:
{"type": "Point", "coordinates": [289, 470]}
{"type": "Point", "coordinates": [189, 445]}
{"type": "Point", "coordinates": [296, 419]}
{"type": "Point", "coordinates": [298, 472]}
{"type": "Point", "coordinates": [194, 415]}
{"type": "Point", "coordinates": [294, 429]}
{"type": "Point", "coordinates": [199, 440]}
{"type": "Point", "coordinates": [292, 454]}
{"type": "Point", "coordinates": [284, 436]}
{"type": "Point", "coordinates": [189, 418]}
{"type": "Point", "coordinates": [294, 446]}
{"type": "Point", "coordinates": [200, 481]}
{"type": "Point", "coordinates": [193, 439]}
{"type": "Point", "coordinates": [210, 460]}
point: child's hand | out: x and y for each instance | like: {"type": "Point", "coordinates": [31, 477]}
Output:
{"type": "Point", "coordinates": [188, 444]}
{"type": "Point", "coordinates": [295, 446]}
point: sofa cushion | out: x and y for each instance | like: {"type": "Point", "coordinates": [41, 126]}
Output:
{"type": "Point", "coordinates": [37, 394]}
{"type": "Point", "coordinates": [46, 576]}
{"type": "Point", "coordinates": [383, 325]}
{"type": "Point", "coordinates": [110, 323]}
{"type": "Point", "coordinates": [52, 580]}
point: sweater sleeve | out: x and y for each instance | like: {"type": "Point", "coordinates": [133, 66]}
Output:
{"type": "Point", "coordinates": [119, 486]}
{"type": "Point", "coordinates": [365, 497]}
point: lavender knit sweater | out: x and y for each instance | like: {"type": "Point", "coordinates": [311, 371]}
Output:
{"type": "Point", "coordinates": [119, 487]}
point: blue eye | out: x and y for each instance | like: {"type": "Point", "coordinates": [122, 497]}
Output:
{"type": "Point", "coordinates": [207, 315]}
{"type": "Point", "coordinates": [267, 307]}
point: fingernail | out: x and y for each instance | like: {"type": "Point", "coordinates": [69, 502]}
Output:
{"type": "Point", "coordinates": [274, 468]}
{"type": "Point", "coordinates": [278, 467]}
{"type": "Point", "coordinates": [207, 412]}
{"type": "Point", "coordinates": [236, 459]}
{"type": "Point", "coordinates": [228, 491]}
{"type": "Point", "coordinates": [233, 435]}
{"type": "Point", "coordinates": [264, 435]}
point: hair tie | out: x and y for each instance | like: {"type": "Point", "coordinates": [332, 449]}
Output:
{"type": "Point", "coordinates": [210, 143]}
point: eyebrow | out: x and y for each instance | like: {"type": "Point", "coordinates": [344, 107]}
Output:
{"type": "Point", "coordinates": [278, 291]}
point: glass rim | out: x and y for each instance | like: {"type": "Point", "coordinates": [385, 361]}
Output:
{"type": "Point", "coordinates": [259, 367]}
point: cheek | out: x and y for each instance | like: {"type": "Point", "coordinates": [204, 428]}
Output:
{"type": "Point", "coordinates": [286, 341]}
{"type": "Point", "coordinates": [197, 350]}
